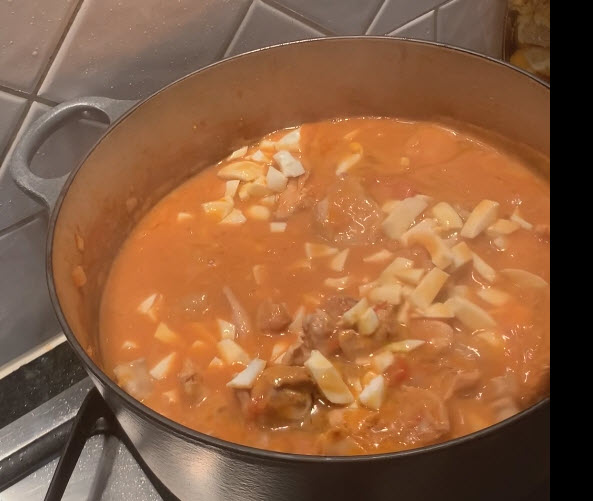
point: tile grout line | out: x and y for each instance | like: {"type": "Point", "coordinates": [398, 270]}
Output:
{"type": "Point", "coordinates": [23, 222]}
{"type": "Point", "coordinates": [435, 9]}
{"type": "Point", "coordinates": [25, 95]}
{"type": "Point", "coordinates": [299, 17]}
{"type": "Point", "coordinates": [225, 48]}
{"type": "Point", "coordinates": [375, 16]}
{"type": "Point", "coordinates": [34, 94]}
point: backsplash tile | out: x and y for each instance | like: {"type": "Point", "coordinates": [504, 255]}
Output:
{"type": "Point", "coordinates": [56, 157]}
{"type": "Point", "coordinates": [342, 17]}
{"type": "Point", "coordinates": [26, 314]}
{"type": "Point", "coordinates": [473, 24]}
{"type": "Point", "coordinates": [11, 108]}
{"type": "Point", "coordinates": [421, 28]}
{"type": "Point", "coordinates": [265, 26]}
{"type": "Point", "coordinates": [396, 13]}
{"type": "Point", "coordinates": [128, 50]}
{"type": "Point", "coordinates": [29, 33]}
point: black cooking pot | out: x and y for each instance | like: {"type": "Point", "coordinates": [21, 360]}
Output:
{"type": "Point", "coordinates": [196, 121]}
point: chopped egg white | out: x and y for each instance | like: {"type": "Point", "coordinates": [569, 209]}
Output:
{"type": "Point", "coordinates": [278, 227]}
{"type": "Point", "coordinates": [399, 263]}
{"type": "Point", "coordinates": [241, 152]}
{"type": "Point", "coordinates": [184, 216]}
{"type": "Point", "coordinates": [390, 293]}
{"type": "Point", "coordinates": [378, 257]}
{"type": "Point", "coordinates": [276, 180]}
{"type": "Point", "coordinates": [231, 352]}
{"type": "Point", "coordinates": [290, 141]}
{"type": "Point", "coordinates": [146, 306]}
{"type": "Point", "coordinates": [243, 170]}
{"type": "Point", "coordinates": [373, 394]}
{"type": "Point", "coordinates": [347, 163]}
{"type": "Point", "coordinates": [161, 369]}
{"type": "Point", "coordinates": [381, 360]}
{"type": "Point", "coordinates": [461, 254]}
{"type": "Point", "coordinates": [290, 166]}
{"type": "Point", "coordinates": [483, 215]}
{"type": "Point", "coordinates": [296, 326]}
{"type": "Point", "coordinates": [354, 313]}
{"type": "Point", "coordinates": [428, 288]}
{"type": "Point", "coordinates": [524, 278]}
{"type": "Point", "coordinates": [447, 216]}
{"type": "Point", "coordinates": [437, 310]}
{"type": "Point", "coordinates": [502, 227]}
{"type": "Point", "coordinates": [405, 346]}
{"type": "Point", "coordinates": [247, 377]}
{"type": "Point", "coordinates": [339, 260]}
{"type": "Point", "coordinates": [426, 225]}
{"type": "Point", "coordinates": [219, 208]}
{"type": "Point", "coordinates": [337, 283]}
{"type": "Point", "coordinates": [516, 217]}
{"type": "Point", "coordinates": [410, 276]}
{"type": "Point", "coordinates": [166, 335]}
{"type": "Point", "coordinates": [483, 268]}
{"type": "Point", "coordinates": [440, 253]}
{"type": "Point", "coordinates": [231, 188]}
{"type": "Point", "coordinates": [259, 156]}
{"type": "Point", "coordinates": [215, 362]}
{"type": "Point", "coordinates": [258, 212]}
{"type": "Point", "coordinates": [259, 273]}
{"type": "Point", "coordinates": [313, 250]}
{"type": "Point", "coordinates": [328, 379]}
{"type": "Point", "coordinates": [368, 322]}
{"type": "Point", "coordinates": [129, 345]}
{"type": "Point", "coordinates": [494, 296]}
{"type": "Point", "coordinates": [470, 314]}
{"type": "Point", "coordinates": [227, 330]}
{"type": "Point", "coordinates": [235, 217]}
{"type": "Point", "coordinates": [257, 188]}
{"type": "Point", "coordinates": [269, 200]}
{"type": "Point", "coordinates": [278, 349]}
{"type": "Point", "coordinates": [402, 216]}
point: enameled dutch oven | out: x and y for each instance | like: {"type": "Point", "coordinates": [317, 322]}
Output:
{"type": "Point", "coordinates": [154, 145]}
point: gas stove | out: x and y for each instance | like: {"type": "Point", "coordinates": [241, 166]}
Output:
{"type": "Point", "coordinates": [70, 446]}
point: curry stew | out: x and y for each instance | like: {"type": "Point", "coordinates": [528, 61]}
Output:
{"type": "Point", "coordinates": [346, 287]}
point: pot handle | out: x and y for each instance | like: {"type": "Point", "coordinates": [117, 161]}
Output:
{"type": "Point", "coordinates": [43, 190]}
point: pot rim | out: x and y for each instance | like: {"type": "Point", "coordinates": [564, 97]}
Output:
{"type": "Point", "coordinates": [198, 437]}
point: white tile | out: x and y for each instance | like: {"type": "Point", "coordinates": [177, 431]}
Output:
{"type": "Point", "coordinates": [130, 49]}
{"type": "Point", "coordinates": [473, 24]}
{"type": "Point", "coordinates": [342, 17]}
{"type": "Point", "coordinates": [56, 157]}
{"type": "Point", "coordinates": [396, 13]}
{"type": "Point", "coordinates": [11, 108]}
{"type": "Point", "coordinates": [29, 33]}
{"type": "Point", "coordinates": [421, 28]}
{"type": "Point", "coordinates": [26, 314]}
{"type": "Point", "coordinates": [264, 26]}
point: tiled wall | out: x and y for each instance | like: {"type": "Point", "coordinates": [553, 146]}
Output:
{"type": "Point", "coordinates": [55, 50]}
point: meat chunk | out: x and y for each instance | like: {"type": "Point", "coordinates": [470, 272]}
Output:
{"type": "Point", "coordinates": [296, 354]}
{"type": "Point", "coordinates": [294, 198]}
{"type": "Point", "coordinates": [347, 215]}
{"type": "Point", "coordinates": [354, 345]}
{"type": "Point", "coordinates": [462, 382]}
{"type": "Point", "coordinates": [422, 416]}
{"type": "Point", "coordinates": [191, 382]}
{"type": "Point", "coordinates": [134, 378]}
{"type": "Point", "coordinates": [336, 306]}
{"type": "Point", "coordinates": [273, 317]}
{"type": "Point", "coordinates": [438, 334]}
{"type": "Point", "coordinates": [501, 393]}
{"type": "Point", "coordinates": [338, 442]}
{"type": "Point", "coordinates": [318, 327]}
{"type": "Point", "coordinates": [282, 395]}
